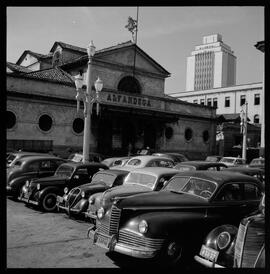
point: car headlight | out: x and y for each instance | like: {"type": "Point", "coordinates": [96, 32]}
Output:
{"type": "Point", "coordinates": [223, 240]}
{"type": "Point", "coordinates": [65, 190]}
{"type": "Point", "coordinates": [91, 200]}
{"type": "Point", "coordinates": [27, 183]}
{"type": "Point", "coordinates": [38, 186]}
{"type": "Point", "coordinates": [83, 194]}
{"type": "Point", "coordinates": [143, 226]}
{"type": "Point", "coordinates": [100, 213]}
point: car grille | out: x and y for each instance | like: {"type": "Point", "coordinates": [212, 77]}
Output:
{"type": "Point", "coordinates": [73, 197]}
{"type": "Point", "coordinates": [249, 241]}
{"type": "Point", "coordinates": [109, 226]}
{"type": "Point", "coordinates": [132, 239]}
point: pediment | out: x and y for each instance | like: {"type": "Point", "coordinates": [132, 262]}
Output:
{"type": "Point", "coordinates": [125, 57]}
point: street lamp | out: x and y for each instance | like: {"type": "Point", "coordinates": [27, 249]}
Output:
{"type": "Point", "coordinates": [88, 99]}
{"type": "Point", "coordinates": [243, 124]}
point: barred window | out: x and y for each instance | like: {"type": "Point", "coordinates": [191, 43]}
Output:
{"type": "Point", "coordinates": [256, 99]}
{"type": "Point", "coordinates": [227, 101]}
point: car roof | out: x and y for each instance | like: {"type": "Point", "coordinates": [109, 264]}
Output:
{"type": "Point", "coordinates": [219, 177]}
{"type": "Point", "coordinates": [233, 158]}
{"type": "Point", "coordinates": [244, 169]}
{"type": "Point", "coordinates": [41, 157]}
{"type": "Point", "coordinates": [114, 171]}
{"type": "Point", "coordinates": [200, 163]}
{"type": "Point", "coordinates": [155, 170]}
{"type": "Point", "coordinates": [146, 158]}
{"type": "Point", "coordinates": [91, 164]}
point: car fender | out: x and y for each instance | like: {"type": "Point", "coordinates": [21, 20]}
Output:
{"type": "Point", "coordinates": [18, 182]}
{"type": "Point", "coordinates": [82, 204]}
{"type": "Point", "coordinates": [48, 189]}
{"type": "Point", "coordinates": [226, 255]}
{"type": "Point", "coordinates": [164, 224]}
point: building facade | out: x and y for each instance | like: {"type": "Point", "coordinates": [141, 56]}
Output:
{"type": "Point", "coordinates": [211, 65]}
{"type": "Point", "coordinates": [41, 105]}
{"type": "Point", "coordinates": [228, 100]}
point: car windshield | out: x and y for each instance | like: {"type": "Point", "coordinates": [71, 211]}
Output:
{"type": "Point", "coordinates": [227, 160]}
{"type": "Point", "coordinates": [257, 161]}
{"type": "Point", "coordinates": [146, 180]}
{"type": "Point", "coordinates": [64, 171]}
{"type": "Point", "coordinates": [134, 162]}
{"type": "Point", "coordinates": [194, 186]}
{"type": "Point", "coordinates": [107, 179]}
{"type": "Point", "coordinates": [211, 159]}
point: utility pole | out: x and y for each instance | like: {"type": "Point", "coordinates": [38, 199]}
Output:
{"type": "Point", "coordinates": [243, 124]}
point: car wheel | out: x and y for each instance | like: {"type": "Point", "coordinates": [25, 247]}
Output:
{"type": "Point", "coordinates": [172, 253]}
{"type": "Point", "coordinates": [49, 202]}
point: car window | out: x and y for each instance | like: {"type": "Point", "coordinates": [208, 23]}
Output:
{"type": "Point", "coordinates": [184, 168]}
{"type": "Point", "coordinates": [140, 179]}
{"type": "Point", "coordinates": [134, 162]}
{"type": "Point", "coordinates": [107, 179]}
{"type": "Point", "coordinates": [176, 184]}
{"type": "Point", "coordinates": [200, 187]}
{"type": "Point", "coordinates": [239, 162]}
{"type": "Point", "coordinates": [162, 181]}
{"type": "Point", "coordinates": [45, 165]}
{"type": "Point", "coordinates": [230, 192]}
{"type": "Point", "coordinates": [64, 171]}
{"type": "Point", "coordinates": [227, 160]}
{"type": "Point", "coordinates": [252, 192]}
{"type": "Point", "coordinates": [17, 163]}
{"type": "Point", "coordinates": [34, 166]}
{"type": "Point", "coordinates": [212, 168]}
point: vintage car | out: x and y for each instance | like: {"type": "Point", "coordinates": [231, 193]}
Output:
{"type": "Point", "coordinates": [13, 156]}
{"type": "Point", "coordinates": [251, 171]}
{"type": "Point", "coordinates": [43, 192]}
{"type": "Point", "coordinates": [199, 165]}
{"type": "Point", "coordinates": [115, 161]}
{"type": "Point", "coordinates": [258, 162]}
{"type": "Point", "coordinates": [137, 181]}
{"type": "Point", "coordinates": [176, 157]}
{"type": "Point", "coordinates": [232, 161]}
{"type": "Point", "coordinates": [231, 246]}
{"type": "Point", "coordinates": [146, 161]}
{"type": "Point", "coordinates": [30, 167]}
{"type": "Point", "coordinates": [75, 201]}
{"type": "Point", "coordinates": [169, 225]}
{"type": "Point", "coordinates": [213, 158]}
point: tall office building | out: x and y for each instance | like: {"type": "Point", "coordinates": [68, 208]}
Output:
{"type": "Point", "coordinates": [211, 65]}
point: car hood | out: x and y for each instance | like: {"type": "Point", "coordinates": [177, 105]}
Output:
{"type": "Point", "coordinates": [163, 200]}
{"type": "Point", "coordinates": [52, 180]}
{"type": "Point", "coordinates": [93, 187]}
{"type": "Point", "coordinates": [122, 191]}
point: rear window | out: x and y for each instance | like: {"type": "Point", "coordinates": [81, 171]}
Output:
{"type": "Point", "coordinates": [140, 179]}
{"type": "Point", "coordinates": [108, 179]}
{"type": "Point", "coordinates": [176, 184]}
{"type": "Point", "coordinates": [185, 168]}
{"type": "Point", "coordinates": [134, 162]}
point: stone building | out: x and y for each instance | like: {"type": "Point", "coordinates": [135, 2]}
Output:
{"type": "Point", "coordinates": [41, 104]}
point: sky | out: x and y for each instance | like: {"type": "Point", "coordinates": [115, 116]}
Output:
{"type": "Point", "coordinates": [167, 34]}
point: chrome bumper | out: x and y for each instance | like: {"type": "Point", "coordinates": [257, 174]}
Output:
{"type": "Point", "coordinates": [207, 263]}
{"type": "Point", "coordinates": [28, 201]}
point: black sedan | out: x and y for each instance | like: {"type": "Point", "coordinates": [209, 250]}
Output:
{"type": "Point", "coordinates": [43, 192]}
{"type": "Point", "coordinates": [170, 224]}
{"type": "Point", "coordinates": [75, 201]}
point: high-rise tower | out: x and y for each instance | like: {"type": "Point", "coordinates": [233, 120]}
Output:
{"type": "Point", "coordinates": [211, 65]}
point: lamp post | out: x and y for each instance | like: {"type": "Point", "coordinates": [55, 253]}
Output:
{"type": "Point", "coordinates": [244, 129]}
{"type": "Point", "coordinates": [88, 98]}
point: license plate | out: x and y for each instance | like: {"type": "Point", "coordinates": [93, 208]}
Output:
{"type": "Point", "coordinates": [209, 253]}
{"type": "Point", "coordinates": [103, 241]}
{"type": "Point", "coordinates": [59, 199]}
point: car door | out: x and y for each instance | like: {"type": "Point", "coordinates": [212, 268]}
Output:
{"type": "Point", "coordinates": [229, 204]}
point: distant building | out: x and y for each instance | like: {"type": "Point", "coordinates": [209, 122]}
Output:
{"type": "Point", "coordinates": [211, 65]}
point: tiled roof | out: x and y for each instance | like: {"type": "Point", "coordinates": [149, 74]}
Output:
{"type": "Point", "coordinates": [53, 74]}
{"type": "Point", "coordinates": [68, 46]}
{"type": "Point", "coordinates": [17, 68]}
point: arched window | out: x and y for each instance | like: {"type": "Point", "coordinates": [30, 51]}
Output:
{"type": "Point", "coordinates": [129, 84]}
{"type": "Point", "coordinates": [188, 134]}
{"type": "Point", "coordinates": [78, 125]}
{"type": "Point", "coordinates": [256, 119]}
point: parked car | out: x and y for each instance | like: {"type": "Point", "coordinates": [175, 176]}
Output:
{"type": "Point", "coordinates": [251, 171]}
{"type": "Point", "coordinates": [231, 246]}
{"type": "Point", "coordinates": [30, 167]}
{"type": "Point", "coordinates": [93, 157]}
{"type": "Point", "coordinates": [258, 162]}
{"type": "Point", "coordinates": [137, 181]}
{"type": "Point", "coordinates": [170, 224]}
{"type": "Point", "coordinates": [75, 201]}
{"type": "Point", "coordinates": [213, 158]}
{"type": "Point", "coordinates": [233, 161]}
{"type": "Point", "coordinates": [200, 165]}
{"type": "Point", "coordinates": [176, 157]}
{"type": "Point", "coordinates": [115, 161]}
{"type": "Point", "coordinates": [13, 156]}
{"type": "Point", "coordinates": [43, 192]}
{"type": "Point", "coordinates": [146, 161]}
